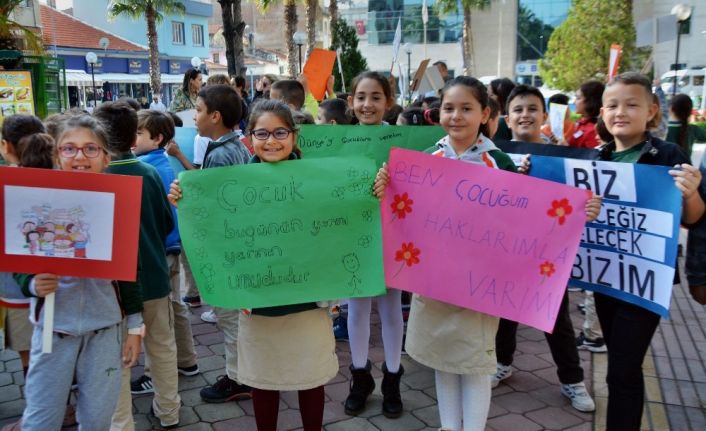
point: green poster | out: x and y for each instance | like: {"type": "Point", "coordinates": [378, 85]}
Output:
{"type": "Point", "coordinates": [269, 234]}
{"type": "Point", "coordinates": [366, 141]}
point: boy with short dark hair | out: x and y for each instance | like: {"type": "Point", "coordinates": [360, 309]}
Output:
{"type": "Point", "coordinates": [156, 221]}
{"type": "Point", "coordinates": [154, 130]}
{"type": "Point", "coordinates": [526, 113]}
{"type": "Point", "coordinates": [218, 111]}
{"type": "Point", "coordinates": [289, 91]}
{"type": "Point", "coordinates": [333, 111]}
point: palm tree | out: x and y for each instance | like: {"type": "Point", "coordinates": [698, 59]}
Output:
{"type": "Point", "coordinates": [153, 12]}
{"type": "Point", "coordinates": [311, 9]}
{"type": "Point", "coordinates": [466, 6]}
{"type": "Point", "coordinates": [290, 25]}
{"type": "Point", "coordinates": [11, 32]}
{"type": "Point", "coordinates": [233, 28]}
{"type": "Point", "coordinates": [333, 13]}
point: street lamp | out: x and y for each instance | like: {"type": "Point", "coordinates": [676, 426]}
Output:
{"type": "Point", "coordinates": [408, 49]}
{"type": "Point", "coordinates": [682, 12]}
{"type": "Point", "coordinates": [299, 40]}
{"type": "Point", "coordinates": [92, 59]}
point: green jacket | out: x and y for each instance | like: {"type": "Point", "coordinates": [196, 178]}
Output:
{"type": "Point", "coordinates": [155, 224]}
{"type": "Point", "coordinates": [694, 134]}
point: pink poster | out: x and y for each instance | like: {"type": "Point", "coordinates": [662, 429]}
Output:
{"type": "Point", "coordinates": [485, 239]}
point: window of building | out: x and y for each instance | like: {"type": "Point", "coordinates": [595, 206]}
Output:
{"type": "Point", "coordinates": [197, 34]}
{"type": "Point", "coordinates": [177, 33]}
{"type": "Point", "coordinates": [536, 20]}
{"type": "Point", "coordinates": [383, 16]}
{"type": "Point", "coordinates": [216, 57]}
{"type": "Point", "coordinates": [26, 3]}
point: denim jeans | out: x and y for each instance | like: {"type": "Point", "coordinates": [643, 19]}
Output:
{"type": "Point", "coordinates": [627, 331]}
{"type": "Point", "coordinates": [562, 343]}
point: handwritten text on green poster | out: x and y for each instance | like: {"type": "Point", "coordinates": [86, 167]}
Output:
{"type": "Point", "coordinates": [267, 234]}
{"type": "Point", "coordinates": [365, 141]}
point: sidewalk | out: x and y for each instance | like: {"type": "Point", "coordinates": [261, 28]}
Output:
{"type": "Point", "coordinates": [530, 400]}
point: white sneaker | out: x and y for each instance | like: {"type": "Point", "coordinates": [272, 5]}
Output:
{"type": "Point", "coordinates": [209, 317]}
{"type": "Point", "coordinates": [504, 371]}
{"type": "Point", "coordinates": [580, 399]}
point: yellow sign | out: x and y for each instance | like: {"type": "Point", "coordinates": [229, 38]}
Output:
{"type": "Point", "coordinates": [15, 93]}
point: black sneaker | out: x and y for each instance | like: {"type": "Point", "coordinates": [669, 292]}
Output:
{"type": "Point", "coordinates": [596, 345]}
{"type": "Point", "coordinates": [192, 301]}
{"type": "Point", "coordinates": [142, 385]}
{"type": "Point", "coordinates": [165, 427]}
{"type": "Point", "coordinates": [225, 390]}
{"type": "Point", "coordinates": [189, 371]}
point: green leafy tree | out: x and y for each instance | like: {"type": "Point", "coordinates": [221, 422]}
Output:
{"type": "Point", "coordinates": [579, 48]}
{"type": "Point", "coordinates": [153, 12]}
{"type": "Point", "coordinates": [467, 7]}
{"type": "Point", "coordinates": [352, 61]}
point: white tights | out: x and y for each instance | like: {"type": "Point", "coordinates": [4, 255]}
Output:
{"type": "Point", "coordinates": [463, 396]}
{"type": "Point", "coordinates": [390, 310]}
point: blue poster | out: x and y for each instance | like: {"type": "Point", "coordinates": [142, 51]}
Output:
{"type": "Point", "coordinates": [184, 137]}
{"type": "Point", "coordinates": [630, 251]}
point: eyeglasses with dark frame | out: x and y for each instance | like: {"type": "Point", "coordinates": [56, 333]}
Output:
{"type": "Point", "coordinates": [264, 134]}
{"type": "Point", "coordinates": [90, 151]}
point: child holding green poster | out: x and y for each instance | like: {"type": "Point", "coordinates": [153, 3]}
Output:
{"type": "Point", "coordinates": [371, 97]}
{"type": "Point", "coordinates": [288, 347]}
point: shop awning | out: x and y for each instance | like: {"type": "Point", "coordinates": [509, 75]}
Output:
{"type": "Point", "coordinates": [81, 79]}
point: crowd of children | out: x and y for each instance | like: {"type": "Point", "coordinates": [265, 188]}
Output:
{"type": "Point", "coordinates": [100, 326]}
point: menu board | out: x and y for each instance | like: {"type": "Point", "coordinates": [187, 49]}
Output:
{"type": "Point", "coordinates": [15, 93]}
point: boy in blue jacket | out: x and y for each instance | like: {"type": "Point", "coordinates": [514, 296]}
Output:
{"type": "Point", "coordinates": [154, 131]}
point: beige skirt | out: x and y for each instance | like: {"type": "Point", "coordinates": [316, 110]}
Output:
{"type": "Point", "coordinates": [450, 338]}
{"type": "Point", "coordinates": [288, 353]}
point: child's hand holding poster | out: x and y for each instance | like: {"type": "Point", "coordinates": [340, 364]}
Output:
{"type": "Point", "coordinates": [489, 240]}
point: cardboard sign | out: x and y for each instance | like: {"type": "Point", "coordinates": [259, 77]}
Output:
{"type": "Point", "coordinates": [16, 96]}
{"type": "Point", "coordinates": [557, 114]}
{"type": "Point", "coordinates": [317, 70]}
{"type": "Point", "coordinates": [485, 239]}
{"type": "Point", "coordinates": [367, 141]}
{"type": "Point", "coordinates": [419, 74]}
{"type": "Point", "coordinates": [630, 250]}
{"type": "Point", "coordinates": [69, 223]}
{"type": "Point", "coordinates": [267, 234]}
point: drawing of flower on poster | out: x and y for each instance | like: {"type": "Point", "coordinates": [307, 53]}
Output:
{"type": "Point", "coordinates": [58, 232]}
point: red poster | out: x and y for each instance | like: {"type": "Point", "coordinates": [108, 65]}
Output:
{"type": "Point", "coordinates": [69, 223]}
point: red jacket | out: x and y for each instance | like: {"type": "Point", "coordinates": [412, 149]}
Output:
{"type": "Point", "coordinates": [584, 135]}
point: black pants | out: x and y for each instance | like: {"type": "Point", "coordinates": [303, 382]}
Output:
{"type": "Point", "coordinates": [627, 331]}
{"type": "Point", "coordinates": [562, 343]}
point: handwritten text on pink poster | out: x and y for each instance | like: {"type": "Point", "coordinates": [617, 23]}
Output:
{"type": "Point", "coordinates": [484, 239]}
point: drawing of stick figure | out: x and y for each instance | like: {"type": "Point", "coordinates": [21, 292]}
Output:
{"type": "Point", "coordinates": [352, 265]}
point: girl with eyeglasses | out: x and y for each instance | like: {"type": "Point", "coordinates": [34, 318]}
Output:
{"type": "Point", "coordinates": [87, 318]}
{"type": "Point", "coordinates": [289, 347]}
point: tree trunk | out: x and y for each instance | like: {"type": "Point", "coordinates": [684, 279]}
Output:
{"type": "Point", "coordinates": [238, 40]}
{"type": "Point", "coordinates": [155, 76]}
{"type": "Point", "coordinates": [333, 13]}
{"type": "Point", "coordinates": [312, 7]}
{"type": "Point", "coordinates": [229, 34]}
{"type": "Point", "coordinates": [468, 66]}
{"type": "Point", "coordinates": [290, 26]}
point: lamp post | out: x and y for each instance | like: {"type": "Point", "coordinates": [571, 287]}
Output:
{"type": "Point", "coordinates": [682, 13]}
{"type": "Point", "coordinates": [299, 40]}
{"type": "Point", "coordinates": [92, 59]}
{"type": "Point", "coordinates": [408, 49]}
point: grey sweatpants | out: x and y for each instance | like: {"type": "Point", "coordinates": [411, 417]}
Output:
{"type": "Point", "coordinates": [94, 358]}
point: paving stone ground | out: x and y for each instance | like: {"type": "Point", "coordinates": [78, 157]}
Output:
{"type": "Point", "coordinates": [675, 377]}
